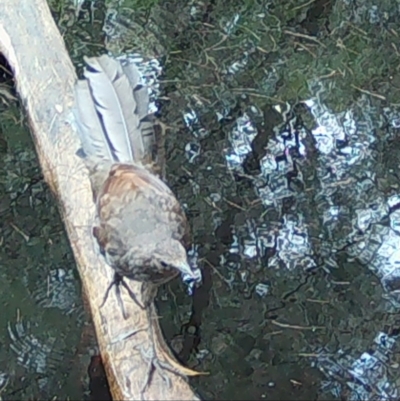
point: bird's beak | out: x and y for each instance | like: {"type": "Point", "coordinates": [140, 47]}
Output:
{"type": "Point", "coordinates": [190, 275]}
{"type": "Point", "coordinates": [185, 269]}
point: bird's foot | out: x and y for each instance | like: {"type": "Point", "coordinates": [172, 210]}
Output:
{"type": "Point", "coordinates": [154, 365]}
{"type": "Point", "coordinates": [117, 281]}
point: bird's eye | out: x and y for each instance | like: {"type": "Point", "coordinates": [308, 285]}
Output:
{"type": "Point", "coordinates": [112, 252]}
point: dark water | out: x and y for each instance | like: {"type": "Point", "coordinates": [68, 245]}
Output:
{"type": "Point", "coordinates": [284, 151]}
{"type": "Point", "coordinates": [42, 315]}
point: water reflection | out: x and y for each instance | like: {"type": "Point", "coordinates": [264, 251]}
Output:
{"type": "Point", "coordinates": [284, 150]}
{"type": "Point", "coordinates": [42, 314]}
{"type": "Point", "coordinates": [293, 193]}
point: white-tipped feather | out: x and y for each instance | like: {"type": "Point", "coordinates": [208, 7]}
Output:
{"type": "Point", "coordinates": [116, 106]}
{"type": "Point", "coordinates": [142, 98]}
{"type": "Point", "coordinates": [117, 113]}
{"type": "Point", "coordinates": [133, 74]}
{"type": "Point", "coordinates": [112, 112]}
{"type": "Point", "coordinates": [90, 130]}
{"type": "Point", "coordinates": [140, 91]}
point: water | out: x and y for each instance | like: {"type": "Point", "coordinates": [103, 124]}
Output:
{"type": "Point", "coordinates": [283, 149]}
{"type": "Point", "coordinates": [42, 314]}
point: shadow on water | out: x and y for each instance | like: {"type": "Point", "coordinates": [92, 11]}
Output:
{"type": "Point", "coordinates": [42, 315]}
{"type": "Point", "coordinates": [283, 147]}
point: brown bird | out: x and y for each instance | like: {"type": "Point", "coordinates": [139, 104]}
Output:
{"type": "Point", "coordinates": [140, 226]}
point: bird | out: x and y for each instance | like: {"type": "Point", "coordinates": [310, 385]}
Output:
{"type": "Point", "coordinates": [140, 227]}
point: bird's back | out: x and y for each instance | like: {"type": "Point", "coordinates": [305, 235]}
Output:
{"type": "Point", "coordinates": [139, 209]}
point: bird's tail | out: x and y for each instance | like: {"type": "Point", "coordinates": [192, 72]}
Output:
{"type": "Point", "coordinates": [112, 114]}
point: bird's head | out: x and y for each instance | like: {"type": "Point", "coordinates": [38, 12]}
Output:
{"type": "Point", "coordinates": [172, 254]}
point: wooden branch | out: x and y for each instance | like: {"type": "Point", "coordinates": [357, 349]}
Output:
{"type": "Point", "coordinates": [45, 77]}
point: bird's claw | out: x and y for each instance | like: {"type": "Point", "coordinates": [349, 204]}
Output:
{"type": "Point", "coordinates": [117, 281]}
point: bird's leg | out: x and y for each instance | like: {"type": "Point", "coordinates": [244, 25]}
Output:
{"type": "Point", "coordinates": [166, 362]}
{"type": "Point", "coordinates": [166, 359]}
{"type": "Point", "coordinates": [154, 364]}
{"type": "Point", "coordinates": [132, 294]}
{"type": "Point", "coordinates": [117, 281]}
{"type": "Point", "coordinates": [148, 292]}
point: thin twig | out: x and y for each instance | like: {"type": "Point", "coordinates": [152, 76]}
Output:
{"type": "Point", "coordinates": [369, 93]}
{"type": "Point", "coordinates": [302, 35]}
{"type": "Point", "coordinates": [296, 327]}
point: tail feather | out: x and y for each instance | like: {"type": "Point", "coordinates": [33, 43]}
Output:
{"type": "Point", "coordinates": [111, 111]}
{"type": "Point", "coordinates": [90, 129]}
{"type": "Point", "coordinates": [141, 95]}
{"type": "Point", "coordinates": [140, 92]}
